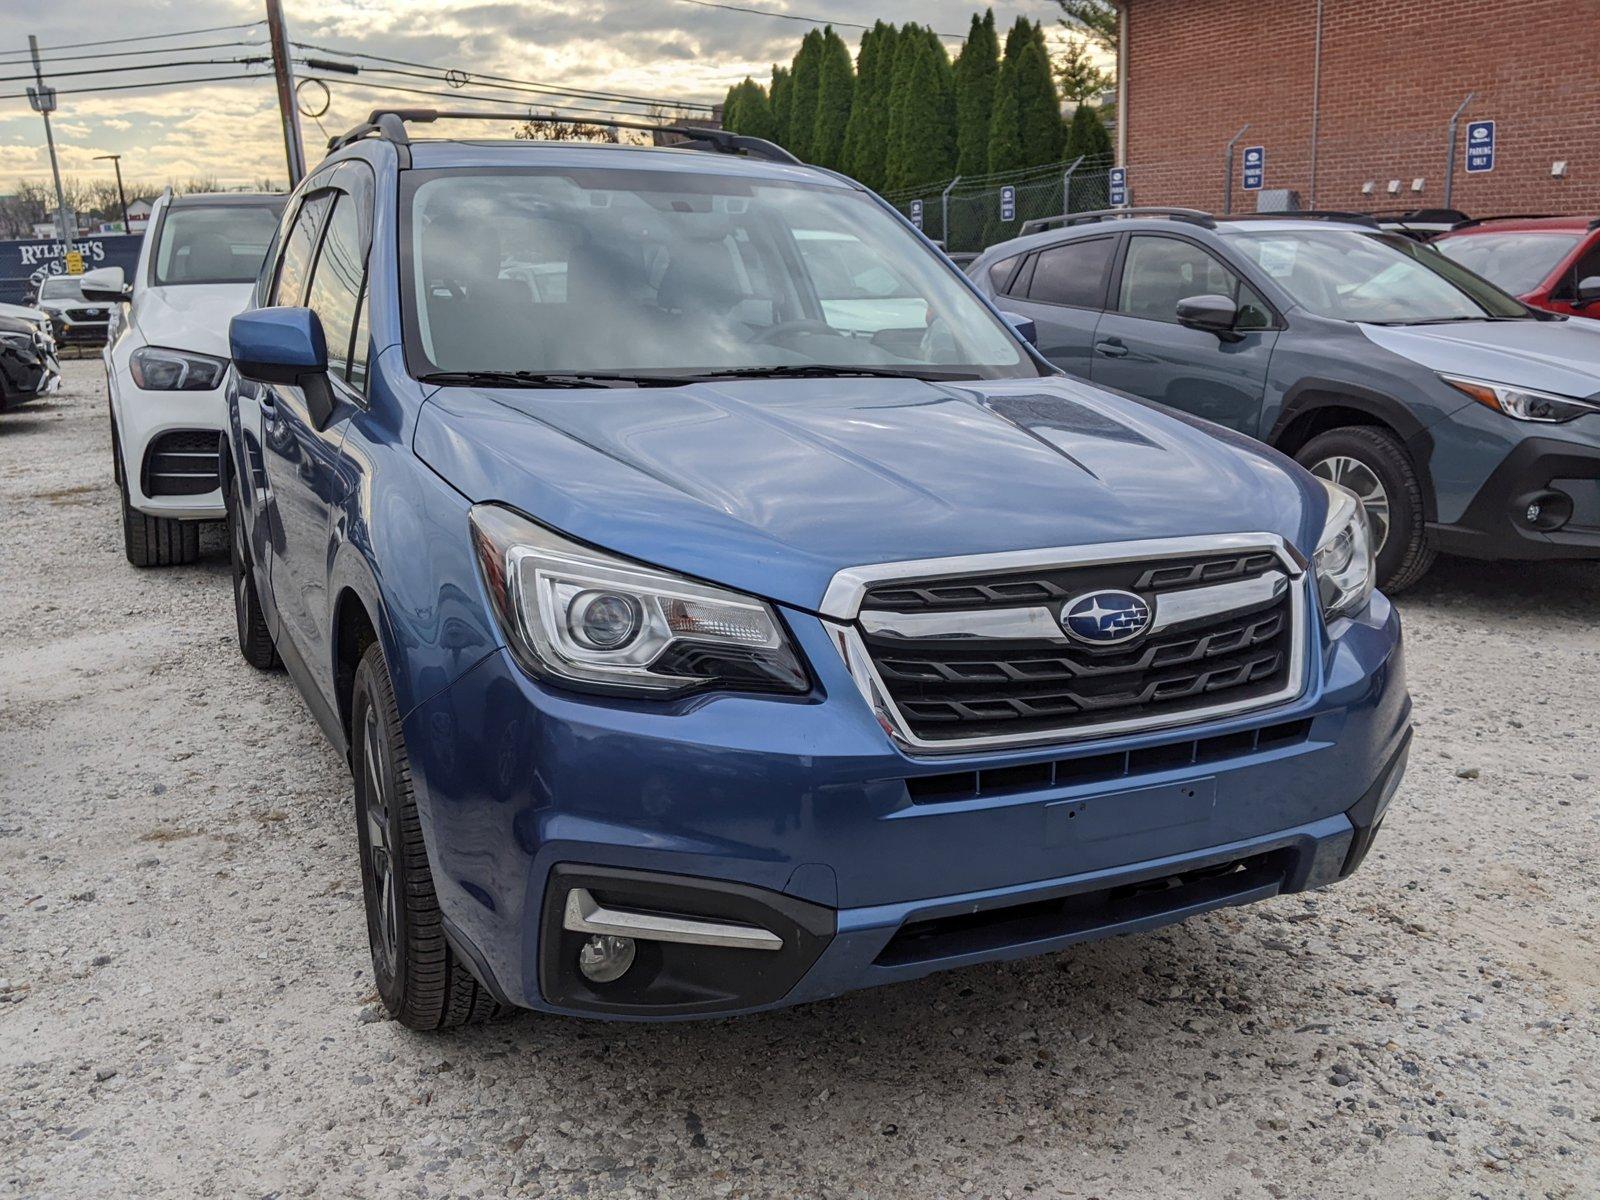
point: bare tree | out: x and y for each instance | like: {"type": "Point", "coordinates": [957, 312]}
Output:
{"type": "Point", "coordinates": [551, 128]}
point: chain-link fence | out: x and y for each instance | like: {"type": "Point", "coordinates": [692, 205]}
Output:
{"type": "Point", "coordinates": [970, 213]}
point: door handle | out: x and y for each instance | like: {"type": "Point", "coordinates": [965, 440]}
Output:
{"type": "Point", "coordinates": [1111, 348]}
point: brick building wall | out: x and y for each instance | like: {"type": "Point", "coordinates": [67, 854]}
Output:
{"type": "Point", "coordinates": [1392, 75]}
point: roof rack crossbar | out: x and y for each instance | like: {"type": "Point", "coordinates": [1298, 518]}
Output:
{"type": "Point", "coordinates": [1511, 217]}
{"type": "Point", "coordinates": [1040, 224]}
{"type": "Point", "coordinates": [390, 125]}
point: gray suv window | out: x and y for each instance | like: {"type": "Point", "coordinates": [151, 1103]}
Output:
{"type": "Point", "coordinates": [1160, 271]}
{"type": "Point", "coordinates": [1073, 274]}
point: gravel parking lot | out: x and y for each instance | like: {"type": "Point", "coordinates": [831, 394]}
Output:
{"type": "Point", "coordinates": [185, 1005]}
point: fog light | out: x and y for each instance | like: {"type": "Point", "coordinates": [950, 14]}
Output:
{"type": "Point", "coordinates": [605, 958]}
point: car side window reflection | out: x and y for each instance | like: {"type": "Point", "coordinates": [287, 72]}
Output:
{"type": "Point", "coordinates": [336, 285]}
{"type": "Point", "coordinates": [1161, 271]}
{"type": "Point", "coordinates": [295, 269]}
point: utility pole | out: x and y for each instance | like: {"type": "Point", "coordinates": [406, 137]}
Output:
{"type": "Point", "coordinates": [122, 197]}
{"type": "Point", "coordinates": [43, 100]}
{"type": "Point", "coordinates": [283, 71]}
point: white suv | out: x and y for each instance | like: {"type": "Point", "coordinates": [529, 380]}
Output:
{"type": "Point", "coordinates": [166, 361]}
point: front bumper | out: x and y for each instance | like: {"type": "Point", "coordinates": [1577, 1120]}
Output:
{"type": "Point", "coordinates": [807, 803]}
{"type": "Point", "coordinates": [142, 418]}
{"type": "Point", "coordinates": [79, 333]}
{"type": "Point", "coordinates": [1534, 496]}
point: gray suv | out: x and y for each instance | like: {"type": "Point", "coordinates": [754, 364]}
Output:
{"type": "Point", "coordinates": [1467, 422]}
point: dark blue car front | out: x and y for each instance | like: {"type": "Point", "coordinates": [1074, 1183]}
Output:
{"type": "Point", "coordinates": [722, 608]}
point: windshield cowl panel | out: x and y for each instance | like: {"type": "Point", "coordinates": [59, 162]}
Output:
{"type": "Point", "coordinates": [1374, 278]}
{"type": "Point", "coordinates": [664, 276]}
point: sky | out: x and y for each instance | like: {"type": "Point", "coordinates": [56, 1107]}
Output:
{"type": "Point", "coordinates": [230, 131]}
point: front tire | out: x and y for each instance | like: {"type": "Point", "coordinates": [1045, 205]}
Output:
{"type": "Point", "coordinates": [1374, 465]}
{"type": "Point", "coordinates": [157, 541]}
{"type": "Point", "coordinates": [420, 980]}
{"type": "Point", "coordinates": [255, 639]}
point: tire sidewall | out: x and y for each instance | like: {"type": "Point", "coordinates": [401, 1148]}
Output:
{"type": "Point", "coordinates": [366, 696]}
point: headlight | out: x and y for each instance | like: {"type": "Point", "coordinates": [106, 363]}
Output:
{"type": "Point", "coordinates": [1344, 560]}
{"type": "Point", "coordinates": [580, 616]}
{"type": "Point", "coordinates": [157, 370]}
{"type": "Point", "coordinates": [1524, 404]}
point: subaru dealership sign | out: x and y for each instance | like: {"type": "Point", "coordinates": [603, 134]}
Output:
{"type": "Point", "coordinates": [1480, 147]}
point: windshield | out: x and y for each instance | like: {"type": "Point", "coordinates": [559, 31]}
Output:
{"type": "Point", "coordinates": [61, 287]}
{"type": "Point", "coordinates": [221, 243]}
{"type": "Point", "coordinates": [1517, 262]}
{"type": "Point", "coordinates": [1379, 278]}
{"type": "Point", "coordinates": [640, 272]}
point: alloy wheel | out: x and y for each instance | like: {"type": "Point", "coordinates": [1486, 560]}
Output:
{"type": "Point", "coordinates": [1357, 477]}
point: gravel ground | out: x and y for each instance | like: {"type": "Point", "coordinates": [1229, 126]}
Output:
{"type": "Point", "coordinates": [185, 1005]}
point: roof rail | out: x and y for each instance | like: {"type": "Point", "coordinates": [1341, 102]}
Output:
{"type": "Point", "coordinates": [1467, 224]}
{"type": "Point", "coordinates": [1310, 214]}
{"type": "Point", "coordinates": [1430, 216]}
{"type": "Point", "coordinates": [390, 125]}
{"type": "Point", "coordinates": [1040, 224]}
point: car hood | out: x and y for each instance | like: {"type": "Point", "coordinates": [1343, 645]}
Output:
{"type": "Point", "coordinates": [23, 313]}
{"type": "Point", "coordinates": [1553, 356]}
{"type": "Point", "coordinates": [191, 316]}
{"type": "Point", "coordinates": [771, 486]}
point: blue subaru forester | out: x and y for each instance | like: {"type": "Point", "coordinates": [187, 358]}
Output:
{"type": "Point", "coordinates": [721, 605]}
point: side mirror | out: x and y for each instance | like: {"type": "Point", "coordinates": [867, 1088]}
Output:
{"type": "Point", "coordinates": [105, 284]}
{"type": "Point", "coordinates": [285, 346]}
{"type": "Point", "coordinates": [1214, 314]}
{"type": "Point", "coordinates": [1024, 327]}
{"type": "Point", "coordinates": [1588, 291]}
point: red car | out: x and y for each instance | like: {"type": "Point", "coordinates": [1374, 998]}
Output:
{"type": "Point", "coordinates": [1546, 262]}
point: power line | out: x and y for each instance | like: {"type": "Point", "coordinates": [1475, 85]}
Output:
{"type": "Point", "coordinates": [147, 37]}
{"type": "Point", "coordinates": [161, 66]}
{"type": "Point", "coordinates": [140, 53]}
{"type": "Point", "coordinates": [529, 84]}
{"type": "Point", "coordinates": [555, 109]}
{"type": "Point", "coordinates": [783, 16]}
{"type": "Point", "coordinates": [128, 87]}
{"type": "Point", "coordinates": [506, 87]}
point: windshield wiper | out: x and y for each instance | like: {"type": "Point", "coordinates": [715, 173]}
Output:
{"type": "Point", "coordinates": [1449, 320]}
{"type": "Point", "coordinates": [548, 379]}
{"type": "Point", "coordinates": [830, 371]}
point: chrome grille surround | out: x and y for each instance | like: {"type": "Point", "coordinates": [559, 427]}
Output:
{"type": "Point", "coordinates": [843, 615]}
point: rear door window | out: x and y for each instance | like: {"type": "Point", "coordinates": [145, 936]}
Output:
{"type": "Point", "coordinates": [1073, 274]}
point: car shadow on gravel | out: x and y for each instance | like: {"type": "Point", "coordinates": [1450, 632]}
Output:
{"type": "Point", "coordinates": [1508, 589]}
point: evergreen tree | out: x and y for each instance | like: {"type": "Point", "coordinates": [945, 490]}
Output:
{"type": "Point", "coordinates": [835, 93]}
{"type": "Point", "coordinates": [748, 110]}
{"type": "Point", "coordinates": [1005, 121]}
{"type": "Point", "coordinates": [909, 46]}
{"type": "Point", "coordinates": [868, 153]}
{"type": "Point", "coordinates": [1087, 135]}
{"type": "Point", "coordinates": [1038, 104]}
{"type": "Point", "coordinates": [977, 71]}
{"type": "Point", "coordinates": [804, 83]}
{"type": "Point", "coordinates": [1080, 78]}
{"type": "Point", "coordinates": [922, 117]}
{"type": "Point", "coordinates": [730, 107]}
{"type": "Point", "coordinates": [779, 97]}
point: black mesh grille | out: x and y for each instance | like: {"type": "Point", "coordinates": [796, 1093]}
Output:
{"type": "Point", "coordinates": [182, 462]}
{"type": "Point", "coordinates": [950, 688]}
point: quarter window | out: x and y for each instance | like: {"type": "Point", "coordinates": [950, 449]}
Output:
{"type": "Point", "coordinates": [1073, 274]}
{"type": "Point", "coordinates": [336, 285]}
{"type": "Point", "coordinates": [295, 269]}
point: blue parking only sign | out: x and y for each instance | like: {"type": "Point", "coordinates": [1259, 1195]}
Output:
{"type": "Point", "coordinates": [1480, 147]}
{"type": "Point", "coordinates": [1119, 186]}
{"type": "Point", "coordinates": [916, 213]}
{"type": "Point", "coordinates": [1255, 167]}
{"type": "Point", "coordinates": [1008, 203]}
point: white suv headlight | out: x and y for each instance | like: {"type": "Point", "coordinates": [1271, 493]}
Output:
{"type": "Point", "coordinates": [1345, 562]}
{"type": "Point", "coordinates": [157, 369]}
{"type": "Point", "coordinates": [577, 615]}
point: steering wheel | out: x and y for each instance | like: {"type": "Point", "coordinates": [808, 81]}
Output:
{"type": "Point", "coordinates": [783, 329]}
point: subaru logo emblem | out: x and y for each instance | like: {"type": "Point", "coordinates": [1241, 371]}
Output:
{"type": "Point", "coordinates": [1105, 618]}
